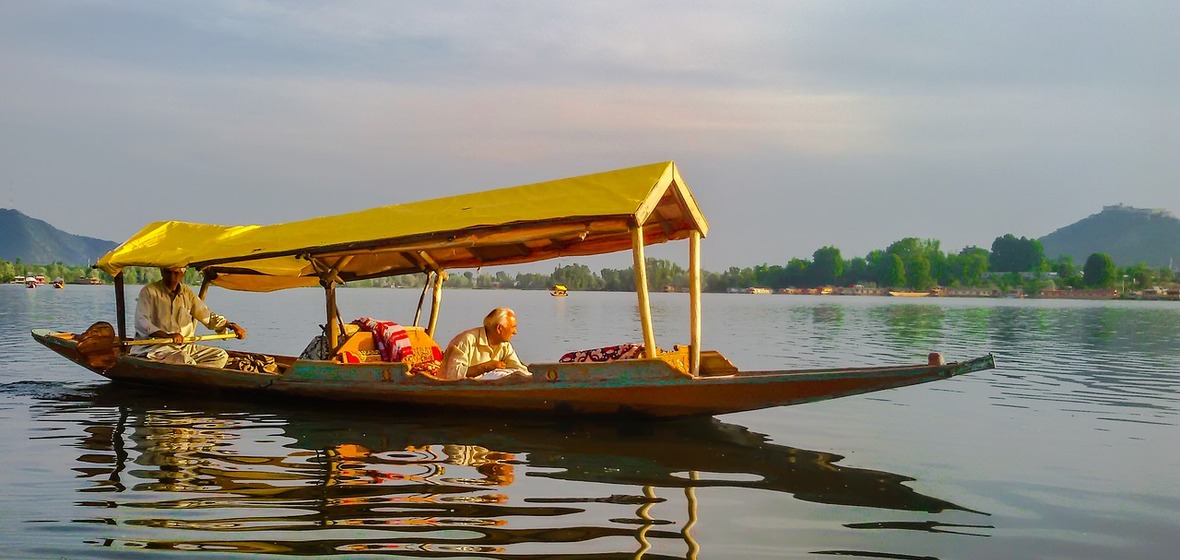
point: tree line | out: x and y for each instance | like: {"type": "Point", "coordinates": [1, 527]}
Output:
{"type": "Point", "coordinates": [1012, 263]}
{"type": "Point", "coordinates": [911, 263]}
{"type": "Point", "coordinates": [79, 273]}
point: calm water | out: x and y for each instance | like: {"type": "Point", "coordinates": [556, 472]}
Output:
{"type": "Point", "coordinates": [1070, 449]}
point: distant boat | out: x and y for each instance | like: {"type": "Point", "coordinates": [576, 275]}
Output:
{"type": "Point", "coordinates": [30, 282]}
{"type": "Point", "coordinates": [896, 293]}
{"type": "Point", "coordinates": [557, 290]}
{"type": "Point", "coordinates": [59, 283]}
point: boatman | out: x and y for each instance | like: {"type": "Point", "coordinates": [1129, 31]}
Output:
{"type": "Point", "coordinates": [484, 352]}
{"type": "Point", "coordinates": [168, 308]}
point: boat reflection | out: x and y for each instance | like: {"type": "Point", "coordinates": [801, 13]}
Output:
{"type": "Point", "coordinates": [187, 474]}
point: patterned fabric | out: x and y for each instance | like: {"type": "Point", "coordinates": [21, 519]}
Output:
{"type": "Point", "coordinates": [316, 350]}
{"type": "Point", "coordinates": [425, 354]}
{"type": "Point", "coordinates": [430, 367]}
{"type": "Point", "coordinates": [259, 363]}
{"type": "Point", "coordinates": [605, 354]}
{"type": "Point", "coordinates": [391, 339]}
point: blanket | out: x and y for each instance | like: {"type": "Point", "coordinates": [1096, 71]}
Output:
{"type": "Point", "coordinates": [390, 338]}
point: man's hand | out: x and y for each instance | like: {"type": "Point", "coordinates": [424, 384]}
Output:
{"type": "Point", "coordinates": [238, 330]}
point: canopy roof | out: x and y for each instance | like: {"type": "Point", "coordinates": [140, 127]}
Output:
{"type": "Point", "coordinates": [586, 215]}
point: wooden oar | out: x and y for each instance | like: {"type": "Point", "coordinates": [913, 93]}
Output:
{"type": "Point", "coordinates": [99, 346]}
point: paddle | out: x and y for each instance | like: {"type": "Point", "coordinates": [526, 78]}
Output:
{"type": "Point", "coordinates": [99, 346]}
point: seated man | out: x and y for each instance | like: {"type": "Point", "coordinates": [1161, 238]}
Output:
{"type": "Point", "coordinates": [169, 309]}
{"type": "Point", "coordinates": [476, 352]}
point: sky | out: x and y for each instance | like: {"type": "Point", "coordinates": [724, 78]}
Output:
{"type": "Point", "coordinates": [797, 125]}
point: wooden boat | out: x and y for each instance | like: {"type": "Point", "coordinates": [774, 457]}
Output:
{"type": "Point", "coordinates": [558, 290]}
{"type": "Point", "coordinates": [619, 210]}
{"type": "Point", "coordinates": [899, 293]}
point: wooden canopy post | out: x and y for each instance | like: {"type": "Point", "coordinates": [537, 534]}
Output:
{"type": "Point", "coordinates": [694, 305]}
{"type": "Point", "coordinates": [436, 300]}
{"type": "Point", "coordinates": [333, 333]}
{"type": "Point", "coordinates": [120, 307]}
{"type": "Point", "coordinates": [649, 335]}
{"type": "Point", "coordinates": [328, 279]}
{"type": "Point", "coordinates": [422, 297]}
{"type": "Point", "coordinates": [205, 282]}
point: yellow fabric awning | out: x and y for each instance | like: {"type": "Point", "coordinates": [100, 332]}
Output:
{"type": "Point", "coordinates": [586, 215]}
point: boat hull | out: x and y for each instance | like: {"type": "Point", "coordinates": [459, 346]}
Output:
{"type": "Point", "coordinates": [644, 387]}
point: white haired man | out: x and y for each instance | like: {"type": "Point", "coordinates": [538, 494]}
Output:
{"type": "Point", "coordinates": [476, 352]}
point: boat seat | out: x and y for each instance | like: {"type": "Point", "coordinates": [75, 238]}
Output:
{"type": "Point", "coordinates": [427, 356]}
{"type": "Point", "coordinates": [713, 363]}
{"type": "Point", "coordinates": [359, 346]}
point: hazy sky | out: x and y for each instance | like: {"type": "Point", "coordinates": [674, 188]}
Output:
{"type": "Point", "coordinates": [796, 124]}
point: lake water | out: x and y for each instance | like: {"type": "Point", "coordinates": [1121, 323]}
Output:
{"type": "Point", "coordinates": [1070, 449]}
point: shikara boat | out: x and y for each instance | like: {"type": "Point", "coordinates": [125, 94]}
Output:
{"type": "Point", "coordinates": [899, 293]}
{"type": "Point", "coordinates": [558, 290]}
{"type": "Point", "coordinates": [620, 210]}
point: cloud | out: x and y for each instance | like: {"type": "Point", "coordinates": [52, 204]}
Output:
{"type": "Point", "coordinates": [798, 124]}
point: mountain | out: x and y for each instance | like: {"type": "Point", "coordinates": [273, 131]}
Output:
{"type": "Point", "coordinates": [34, 241]}
{"type": "Point", "coordinates": [1129, 235]}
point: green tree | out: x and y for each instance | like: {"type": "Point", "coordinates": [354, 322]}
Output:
{"type": "Point", "coordinates": [736, 279]}
{"type": "Point", "coordinates": [856, 271]}
{"type": "Point", "coordinates": [894, 273]}
{"type": "Point", "coordinates": [827, 266]}
{"type": "Point", "coordinates": [1141, 276]}
{"type": "Point", "coordinates": [575, 277]}
{"type": "Point", "coordinates": [969, 266]}
{"type": "Point", "coordinates": [1099, 271]}
{"type": "Point", "coordinates": [916, 256]}
{"type": "Point", "coordinates": [795, 274]}
{"type": "Point", "coordinates": [662, 272]}
{"type": "Point", "coordinates": [769, 275]}
{"type": "Point", "coordinates": [1065, 267]}
{"type": "Point", "coordinates": [1010, 254]}
{"type": "Point", "coordinates": [1165, 275]}
{"type": "Point", "coordinates": [918, 272]}
{"type": "Point", "coordinates": [619, 280]}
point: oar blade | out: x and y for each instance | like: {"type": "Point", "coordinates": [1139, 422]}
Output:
{"type": "Point", "coordinates": [98, 346]}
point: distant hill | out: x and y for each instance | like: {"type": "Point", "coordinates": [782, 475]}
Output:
{"type": "Point", "coordinates": [34, 241]}
{"type": "Point", "coordinates": [1129, 235]}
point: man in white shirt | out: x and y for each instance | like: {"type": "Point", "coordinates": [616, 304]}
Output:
{"type": "Point", "coordinates": [484, 351]}
{"type": "Point", "coordinates": [169, 309]}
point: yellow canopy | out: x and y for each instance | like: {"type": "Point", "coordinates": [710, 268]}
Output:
{"type": "Point", "coordinates": [586, 215]}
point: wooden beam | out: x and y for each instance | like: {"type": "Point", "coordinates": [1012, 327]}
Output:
{"type": "Point", "coordinates": [205, 281]}
{"type": "Point", "coordinates": [422, 297]}
{"type": "Point", "coordinates": [333, 333]}
{"type": "Point", "coordinates": [436, 301]}
{"type": "Point", "coordinates": [121, 309]}
{"type": "Point", "coordinates": [649, 336]}
{"type": "Point", "coordinates": [329, 278]}
{"type": "Point", "coordinates": [694, 304]}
